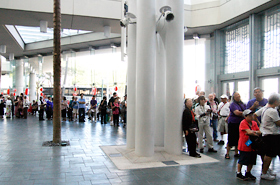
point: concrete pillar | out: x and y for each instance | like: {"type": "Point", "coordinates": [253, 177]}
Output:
{"type": "Point", "coordinates": [145, 69]}
{"type": "Point", "coordinates": [174, 79]}
{"type": "Point", "coordinates": [131, 84]}
{"type": "Point", "coordinates": [32, 87]}
{"type": "Point", "coordinates": [160, 78]}
{"type": "Point", "coordinates": [19, 77]}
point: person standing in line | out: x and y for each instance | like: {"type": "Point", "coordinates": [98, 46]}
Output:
{"type": "Point", "coordinates": [41, 106]}
{"type": "Point", "coordinates": [187, 121]}
{"type": "Point", "coordinates": [75, 108]}
{"type": "Point", "coordinates": [235, 117]}
{"type": "Point", "coordinates": [2, 105]}
{"type": "Point", "coordinates": [34, 107]}
{"type": "Point", "coordinates": [8, 108]}
{"type": "Point", "coordinates": [248, 156]}
{"type": "Point", "coordinates": [258, 102]}
{"type": "Point", "coordinates": [202, 112]}
{"type": "Point", "coordinates": [270, 122]}
{"type": "Point", "coordinates": [214, 115]}
{"type": "Point", "coordinates": [82, 107]}
{"type": "Point", "coordinates": [103, 110]}
{"type": "Point", "coordinates": [70, 110]}
{"type": "Point", "coordinates": [49, 108]}
{"type": "Point", "coordinates": [124, 110]}
{"type": "Point", "coordinates": [25, 107]}
{"type": "Point", "coordinates": [16, 106]}
{"type": "Point", "coordinates": [116, 112]}
{"type": "Point", "coordinates": [12, 97]}
{"type": "Point", "coordinates": [223, 112]}
{"type": "Point", "coordinates": [93, 106]}
{"type": "Point", "coordinates": [110, 104]}
{"type": "Point", "coordinates": [64, 106]}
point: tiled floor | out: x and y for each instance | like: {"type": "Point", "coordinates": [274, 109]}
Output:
{"type": "Point", "coordinates": [24, 161]}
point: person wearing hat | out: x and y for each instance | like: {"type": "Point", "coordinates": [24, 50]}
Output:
{"type": "Point", "coordinates": [223, 111]}
{"type": "Point", "coordinates": [258, 102]}
{"type": "Point", "coordinates": [248, 156]}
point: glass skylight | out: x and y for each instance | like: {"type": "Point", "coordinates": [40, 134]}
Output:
{"type": "Point", "coordinates": [33, 34]}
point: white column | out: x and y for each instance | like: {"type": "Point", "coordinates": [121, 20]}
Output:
{"type": "Point", "coordinates": [32, 87]}
{"type": "Point", "coordinates": [131, 87]}
{"type": "Point", "coordinates": [19, 77]}
{"type": "Point", "coordinates": [145, 69]}
{"type": "Point", "coordinates": [160, 78]}
{"type": "Point", "coordinates": [174, 79]}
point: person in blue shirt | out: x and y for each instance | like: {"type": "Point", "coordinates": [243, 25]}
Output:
{"type": "Point", "coordinates": [49, 108]}
{"type": "Point", "coordinates": [258, 102]}
{"type": "Point", "coordinates": [82, 107]}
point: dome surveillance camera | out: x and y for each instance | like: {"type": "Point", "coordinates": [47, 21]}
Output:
{"type": "Point", "coordinates": [169, 16]}
{"type": "Point", "coordinates": [124, 22]}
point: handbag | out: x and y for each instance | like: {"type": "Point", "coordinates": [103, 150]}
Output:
{"type": "Point", "coordinates": [194, 127]}
{"type": "Point", "coordinates": [257, 142]}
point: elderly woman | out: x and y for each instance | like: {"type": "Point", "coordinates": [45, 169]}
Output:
{"type": "Point", "coordinates": [202, 112]}
{"type": "Point", "coordinates": [64, 105]}
{"type": "Point", "coordinates": [188, 121]}
{"type": "Point", "coordinates": [235, 117]}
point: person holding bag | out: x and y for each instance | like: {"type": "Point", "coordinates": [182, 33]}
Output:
{"type": "Point", "coordinates": [189, 128]}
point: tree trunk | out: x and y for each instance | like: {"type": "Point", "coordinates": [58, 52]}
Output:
{"type": "Point", "coordinates": [56, 73]}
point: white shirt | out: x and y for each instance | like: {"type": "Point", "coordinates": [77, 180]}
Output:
{"type": "Point", "coordinates": [224, 109]}
{"type": "Point", "coordinates": [25, 103]}
{"type": "Point", "coordinates": [200, 110]}
{"type": "Point", "coordinates": [269, 117]}
{"type": "Point", "coordinates": [8, 102]}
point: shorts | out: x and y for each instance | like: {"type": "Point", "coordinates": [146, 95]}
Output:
{"type": "Point", "coordinates": [247, 158]}
{"type": "Point", "coordinates": [233, 134]}
{"type": "Point", "coordinates": [222, 125]}
{"type": "Point", "coordinates": [75, 111]}
{"type": "Point", "coordinates": [271, 145]}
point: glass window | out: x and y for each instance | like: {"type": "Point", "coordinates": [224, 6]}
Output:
{"type": "Point", "coordinates": [228, 88]}
{"type": "Point", "coordinates": [269, 85]}
{"type": "Point", "coordinates": [243, 89]}
{"type": "Point", "coordinates": [33, 34]}
{"type": "Point", "coordinates": [237, 49]}
{"type": "Point", "coordinates": [272, 39]}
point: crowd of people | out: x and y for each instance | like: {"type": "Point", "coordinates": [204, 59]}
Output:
{"type": "Point", "coordinates": [75, 109]}
{"type": "Point", "coordinates": [252, 128]}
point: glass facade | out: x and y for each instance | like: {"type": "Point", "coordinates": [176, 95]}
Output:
{"type": "Point", "coordinates": [237, 49]}
{"type": "Point", "coordinates": [271, 34]}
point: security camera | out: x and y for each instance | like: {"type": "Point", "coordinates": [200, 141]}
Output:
{"type": "Point", "coordinates": [124, 22]}
{"type": "Point", "coordinates": [169, 16]}
{"type": "Point", "coordinates": [167, 13]}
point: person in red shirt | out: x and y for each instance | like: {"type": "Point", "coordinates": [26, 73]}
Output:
{"type": "Point", "coordinates": [248, 156]}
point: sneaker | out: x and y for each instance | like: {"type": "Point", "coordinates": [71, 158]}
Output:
{"type": "Point", "coordinates": [212, 150]}
{"type": "Point", "coordinates": [196, 156]}
{"type": "Point", "coordinates": [271, 172]}
{"type": "Point", "coordinates": [201, 150]}
{"type": "Point", "coordinates": [241, 177]}
{"type": "Point", "coordinates": [250, 176]}
{"type": "Point", "coordinates": [221, 142]}
{"type": "Point", "coordinates": [267, 177]}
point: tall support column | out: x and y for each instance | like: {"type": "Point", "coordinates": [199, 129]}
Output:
{"type": "Point", "coordinates": [131, 87]}
{"type": "Point", "coordinates": [174, 79]}
{"type": "Point", "coordinates": [19, 77]}
{"type": "Point", "coordinates": [32, 86]}
{"type": "Point", "coordinates": [255, 50]}
{"type": "Point", "coordinates": [146, 57]}
{"type": "Point", "coordinates": [160, 80]}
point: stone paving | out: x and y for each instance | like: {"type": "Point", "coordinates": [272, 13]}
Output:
{"type": "Point", "coordinates": [24, 161]}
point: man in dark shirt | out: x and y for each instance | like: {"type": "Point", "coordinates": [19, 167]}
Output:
{"type": "Point", "coordinates": [188, 120]}
{"type": "Point", "coordinates": [93, 106]}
